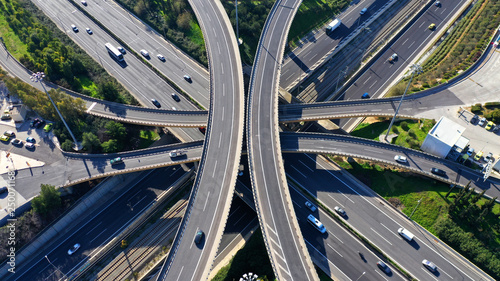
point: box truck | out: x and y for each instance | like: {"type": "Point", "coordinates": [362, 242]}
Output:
{"type": "Point", "coordinates": [332, 26]}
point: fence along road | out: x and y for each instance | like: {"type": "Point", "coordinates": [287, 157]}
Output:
{"type": "Point", "coordinates": [213, 189]}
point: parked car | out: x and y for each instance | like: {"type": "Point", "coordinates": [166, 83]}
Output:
{"type": "Point", "coordinates": [432, 26]}
{"type": "Point", "coordinates": [10, 133]}
{"type": "Point", "coordinates": [156, 103]}
{"type": "Point", "coordinates": [429, 265]}
{"type": "Point", "coordinates": [488, 157]}
{"type": "Point", "coordinates": [482, 121]}
{"type": "Point", "coordinates": [490, 125]}
{"type": "Point", "coordinates": [176, 97]}
{"type": "Point", "coordinates": [478, 155]}
{"type": "Point", "coordinates": [438, 172]}
{"type": "Point", "coordinates": [4, 138]}
{"type": "Point", "coordinates": [73, 249]}
{"type": "Point", "coordinates": [474, 119]}
{"type": "Point", "coordinates": [188, 78]}
{"type": "Point", "coordinates": [160, 57]}
{"type": "Point", "coordinates": [400, 158]}
{"type": "Point", "coordinates": [29, 145]}
{"type": "Point", "coordinates": [495, 128]}
{"type": "Point", "coordinates": [384, 267]}
{"type": "Point", "coordinates": [48, 127]}
{"type": "Point", "coordinates": [198, 237]}
{"type": "Point", "coordinates": [470, 152]}
{"type": "Point", "coordinates": [339, 210]}
{"type": "Point", "coordinates": [17, 142]}
{"type": "Point", "coordinates": [310, 206]}
{"type": "Point", "coordinates": [116, 161]}
{"type": "Point", "coordinates": [144, 53]}
{"type": "Point", "coordinates": [30, 139]}
{"type": "Point", "coordinates": [5, 117]}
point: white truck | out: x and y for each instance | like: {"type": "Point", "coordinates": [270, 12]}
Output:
{"type": "Point", "coordinates": [406, 234]}
{"type": "Point", "coordinates": [333, 25]}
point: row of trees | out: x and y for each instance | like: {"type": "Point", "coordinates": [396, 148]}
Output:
{"type": "Point", "coordinates": [472, 228]}
{"type": "Point", "coordinates": [53, 52]}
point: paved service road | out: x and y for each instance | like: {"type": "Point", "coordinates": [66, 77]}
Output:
{"type": "Point", "coordinates": [213, 189]}
{"type": "Point", "coordinates": [284, 241]}
{"type": "Point", "coordinates": [378, 222]}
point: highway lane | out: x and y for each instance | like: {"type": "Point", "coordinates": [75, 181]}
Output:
{"type": "Point", "coordinates": [76, 168]}
{"type": "Point", "coordinates": [336, 251]}
{"type": "Point", "coordinates": [99, 228]}
{"type": "Point", "coordinates": [418, 162]}
{"type": "Point", "coordinates": [303, 58]}
{"type": "Point", "coordinates": [381, 73]}
{"type": "Point", "coordinates": [211, 196]}
{"type": "Point", "coordinates": [137, 35]}
{"type": "Point", "coordinates": [284, 241]}
{"type": "Point", "coordinates": [133, 74]}
{"type": "Point", "coordinates": [371, 217]}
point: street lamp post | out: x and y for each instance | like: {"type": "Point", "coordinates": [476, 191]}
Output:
{"type": "Point", "coordinates": [38, 77]}
{"type": "Point", "coordinates": [414, 209]}
{"type": "Point", "coordinates": [57, 269]}
{"type": "Point", "coordinates": [415, 68]}
{"type": "Point", "coordinates": [361, 275]}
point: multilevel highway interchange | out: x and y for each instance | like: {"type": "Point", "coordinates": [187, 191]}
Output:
{"type": "Point", "coordinates": [272, 154]}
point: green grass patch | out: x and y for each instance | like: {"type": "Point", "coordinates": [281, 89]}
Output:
{"type": "Point", "coordinates": [15, 46]}
{"type": "Point", "coordinates": [88, 85]}
{"type": "Point", "coordinates": [146, 138]}
{"type": "Point", "coordinates": [195, 34]}
{"type": "Point", "coordinates": [411, 133]}
{"type": "Point", "coordinates": [251, 258]}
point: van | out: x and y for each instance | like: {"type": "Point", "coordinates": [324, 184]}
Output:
{"type": "Point", "coordinates": [316, 223]}
{"type": "Point", "coordinates": [406, 234]}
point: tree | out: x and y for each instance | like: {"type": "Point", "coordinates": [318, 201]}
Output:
{"type": "Point", "coordinates": [110, 146]}
{"type": "Point", "coordinates": [477, 197]}
{"type": "Point", "coordinates": [48, 200]}
{"type": "Point", "coordinates": [116, 130]}
{"type": "Point", "coordinates": [90, 142]}
{"type": "Point", "coordinates": [67, 145]}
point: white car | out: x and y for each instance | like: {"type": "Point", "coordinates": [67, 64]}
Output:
{"type": "Point", "coordinates": [160, 57]}
{"type": "Point", "coordinates": [84, 3]}
{"type": "Point", "coordinates": [482, 121]}
{"type": "Point", "coordinates": [339, 210]}
{"type": "Point", "coordinates": [144, 53]}
{"type": "Point", "coordinates": [310, 206]}
{"type": "Point", "coordinates": [74, 249]}
{"type": "Point", "coordinates": [176, 153]}
{"type": "Point", "coordinates": [400, 158]}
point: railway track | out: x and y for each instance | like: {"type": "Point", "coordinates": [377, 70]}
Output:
{"type": "Point", "coordinates": [129, 261]}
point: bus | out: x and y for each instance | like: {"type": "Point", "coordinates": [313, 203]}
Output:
{"type": "Point", "coordinates": [114, 52]}
{"type": "Point", "coordinates": [316, 223]}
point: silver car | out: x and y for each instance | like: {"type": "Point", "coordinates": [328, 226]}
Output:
{"type": "Point", "coordinates": [73, 249]}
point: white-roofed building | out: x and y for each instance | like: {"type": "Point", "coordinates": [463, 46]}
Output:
{"type": "Point", "coordinates": [443, 137]}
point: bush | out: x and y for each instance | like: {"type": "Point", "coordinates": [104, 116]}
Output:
{"type": "Point", "coordinates": [404, 125]}
{"type": "Point", "coordinates": [492, 104]}
{"type": "Point", "coordinates": [48, 201]}
{"type": "Point", "coordinates": [476, 108]}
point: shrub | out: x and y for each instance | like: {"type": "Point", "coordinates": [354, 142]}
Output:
{"type": "Point", "coordinates": [404, 125]}
{"type": "Point", "coordinates": [476, 108]}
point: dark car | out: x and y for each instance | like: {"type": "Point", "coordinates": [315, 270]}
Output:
{"type": "Point", "coordinates": [176, 97]}
{"type": "Point", "coordinates": [437, 4]}
{"type": "Point", "coordinates": [365, 96]}
{"type": "Point", "coordinates": [37, 123]}
{"type": "Point", "coordinates": [438, 172]}
{"type": "Point", "coordinates": [156, 103]}
{"type": "Point", "coordinates": [17, 142]}
{"type": "Point", "coordinates": [198, 237]}
{"type": "Point", "coordinates": [384, 267]}
{"type": "Point", "coordinates": [202, 130]}
{"type": "Point", "coordinates": [474, 119]}
{"type": "Point", "coordinates": [188, 78]}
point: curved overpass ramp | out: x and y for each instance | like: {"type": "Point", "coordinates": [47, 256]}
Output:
{"type": "Point", "coordinates": [284, 241]}
{"type": "Point", "coordinates": [213, 189]}
{"type": "Point", "coordinates": [76, 168]}
{"type": "Point", "coordinates": [418, 162]}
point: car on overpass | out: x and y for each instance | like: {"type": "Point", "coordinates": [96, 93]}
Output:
{"type": "Point", "coordinates": [400, 159]}
{"type": "Point", "coordinates": [116, 161]}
